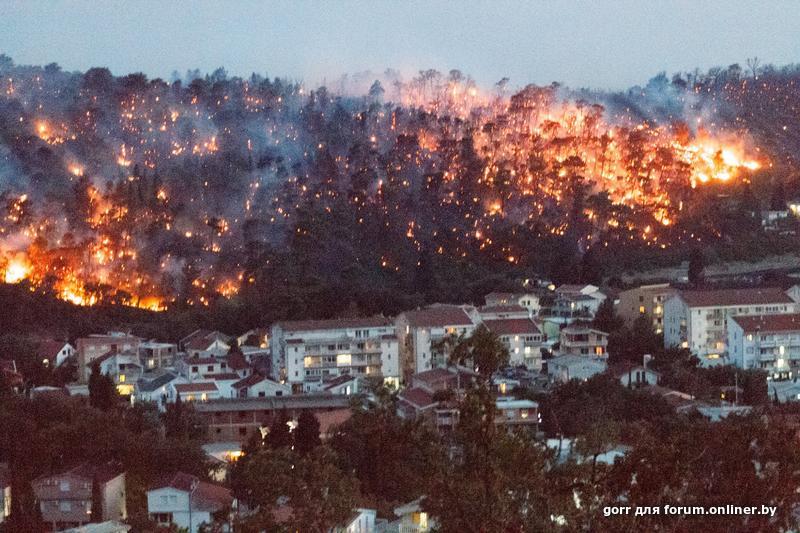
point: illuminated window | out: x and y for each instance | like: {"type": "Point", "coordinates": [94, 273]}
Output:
{"type": "Point", "coordinates": [190, 398]}
{"type": "Point", "coordinates": [203, 397]}
{"type": "Point", "coordinates": [502, 388]}
{"type": "Point", "coordinates": [641, 309]}
{"type": "Point", "coordinates": [122, 378]}
{"type": "Point", "coordinates": [598, 350]}
{"type": "Point", "coordinates": [344, 359]}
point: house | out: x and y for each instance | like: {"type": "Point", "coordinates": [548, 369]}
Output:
{"type": "Point", "coordinates": [197, 391]}
{"type": "Point", "coordinates": [153, 386]}
{"type": "Point", "coordinates": [513, 413]}
{"type": "Point", "coordinates": [197, 367]}
{"type": "Point", "coordinates": [257, 338]}
{"type": "Point", "coordinates": [5, 492]}
{"type": "Point", "coordinates": [645, 300]}
{"type": "Point", "coordinates": [522, 337]}
{"type": "Point", "coordinates": [698, 320]}
{"type": "Point", "coordinates": [313, 351]}
{"type": "Point", "coordinates": [420, 330]}
{"type": "Point", "coordinates": [123, 368]}
{"type": "Point", "coordinates": [65, 499]}
{"type": "Point", "coordinates": [237, 363]}
{"type": "Point", "coordinates": [568, 367]}
{"type": "Point", "coordinates": [767, 342]}
{"type": "Point", "coordinates": [95, 346]}
{"type": "Point", "coordinates": [204, 343]}
{"type": "Point", "coordinates": [527, 300]}
{"type": "Point", "coordinates": [185, 501]}
{"type": "Point", "coordinates": [258, 386]}
{"type": "Point", "coordinates": [583, 340]}
{"type": "Point", "coordinates": [154, 354]}
{"type": "Point", "coordinates": [635, 376]}
{"type": "Point", "coordinates": [412, 519]}
{"type": "Point", "coordinates": [360, 521]}
{"type": "Point", "coordinates": [55, 353]}
{"type": "Point", "coordinates": [572, 302]}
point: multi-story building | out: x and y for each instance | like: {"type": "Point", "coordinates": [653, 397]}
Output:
{"type": "Point", "coordinates": [310, 352]}
{"type": "Point", "coordinates": [66, 499]}
{"type": "Point", "coordinates": [768, 342]}
{"type": "Point", "coordinates": [522, 337]}
{"type": "Point", "coordinates": [573, 302]}
{"type": "Point", "coordinates": [421, 330]}
{"type": "Point", "coordinates": [584, 341]}
{"type": "Point", "coordinates": [157, 354]}
{"type": "Point", "coordinates": [645, 300]}
{"type": "Point", "coordinates": [5, 492]}
{"type": "Point", "coordinates": [698, 320]}
{"type": "Point", "coordinates": [95, 346]}
{"type": "Point", "coordinates": [187, 502]}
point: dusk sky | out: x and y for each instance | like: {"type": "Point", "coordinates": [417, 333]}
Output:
{"type": "Point", "coordinates": [596, 44]}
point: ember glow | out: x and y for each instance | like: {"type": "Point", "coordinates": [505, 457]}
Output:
{"type": "Point", "coordinates": [139, 193]}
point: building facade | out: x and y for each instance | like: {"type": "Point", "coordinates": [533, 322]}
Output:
{"type": "Point", "coordinates": [645, 300]}
{"type": "Point", "coordinates": [308, 353]}
{"type": "Point", "coordinates": [698, 320]}
{"type": "Point", "coordinates": [583, 341]}
{"type": "Point", "coordinates": [767, 342]}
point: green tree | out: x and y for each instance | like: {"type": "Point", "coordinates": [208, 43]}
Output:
{"type": "Point", "coordinates": [279, 435]}
{"type": "Point", "coordinates": [306, 434]}
{"type": "Point", "coordinates": [102, 392]}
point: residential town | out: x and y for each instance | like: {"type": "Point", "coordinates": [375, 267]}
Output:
{"type": "Point", "coordinates": [241, 385]}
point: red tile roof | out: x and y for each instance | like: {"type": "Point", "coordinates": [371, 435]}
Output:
{"type": "Point", "coordinates": [733, 297]}
{"type": "Point", "coordinates": [417, 397]}
{"type": "Point", "coordinates": [339, 380]}
{"type": "Point", "coordinates": [335, 323]}
{"type": "Point", "coordinates": [196, 387]}
{"type": "Point", "coordinates": [253, 379]}
{"type": "Point", "coordinates": [513, 326]}
{"type": "Point", "coordinates": [769, 322]}
{"type": "Point", "coordinates": [222, 377]}
{"type": "Point", "coordinates": [438, 316]}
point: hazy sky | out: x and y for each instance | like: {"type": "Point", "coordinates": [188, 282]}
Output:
{"type": "Point", "coordinates": [603, 44]}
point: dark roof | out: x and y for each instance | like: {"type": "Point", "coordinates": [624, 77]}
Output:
{"type": "Point", "coordinates": [48, 349]}
{"type": "Point", "coordinates": [103, 472]}
{"type": "Point", "coordinates": [769, 322]}
{"type": "Point", "coordinates": [507, 308]}
{"type": "Point", "coordinates": [203, 360]}
{"type": "Point", "coordinates": [512, 326]}
{"type": "Point", "coordinates": [205, 496]}
{"type": "Point", "coordinates": [202, 342]}
{"type": "Point", "coordinates": [339, 380]}
{"type": "Point", "coordinates": [767, 295]}
{"type": "Point", "coordinates": [149, 385]}
{"type": "Point", "coordinates": [335, 323]}
{"type": "Point", "coordinates": [249, 381]}
{"type": "Point", "coordinates": [196, 387]}
{"type": "Point", "coordinates": [438, 316]}
{"type": "Point", "coordinates": [417, 397]}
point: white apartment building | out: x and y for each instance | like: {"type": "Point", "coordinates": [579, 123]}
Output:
{"type": "Point", "coordinates": [522, 337]}
{"type": "Point", "coordinates": [698, 320]}
{"type": "Point", "coordinates": [310, 352]}
{"type": "Point", "coordinates": [420, 330]}
{"type": "Point", "coordinates": [767, 342]}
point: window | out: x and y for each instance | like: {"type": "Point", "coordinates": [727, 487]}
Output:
{"type": "Point", "coordinates": [64, 506]}
{"type": "Point", "coordinates": [64, 486]}
{"type": "Point", "coordinates": [641, 309]}
{"type": "Point", "coordinates": [173, 498]}
{"type": "Point", "coordinates": [242, 431]}
{"type": "Point", "coordinates": [164, 500]}
{"type": "Point", "coordinates": [194, 369]}
{"type": "Point", "coordinates": [210, 368]}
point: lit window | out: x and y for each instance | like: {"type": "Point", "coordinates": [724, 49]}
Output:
{"type": "Point", "coordinates": [641, 309]}
{"type": "Point", "coordinates": [344, 359]}
{"type": "Point", "coordinates": [203, 397]}
{"type": "Point", "coordinates": [122, 378]}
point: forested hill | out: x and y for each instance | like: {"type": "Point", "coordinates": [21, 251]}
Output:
{"type": "Point", "coordinates": [293, 201]}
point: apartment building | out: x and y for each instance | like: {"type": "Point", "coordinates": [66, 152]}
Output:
{"type": "Point", "coordinates": [698, 320]}
{"type": "Point", "coordinates": [645, 300]}
{"type": "Point", "coordinates": [307, 353]}
{"type": "Point", "coordinates": [527, 300]}
{"type": "Point", "coordinates": [419, 332]}
{"type": "Point", "coordinates": [522, 337]}
{"type": "Point", "coordinates": [767, 342]}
